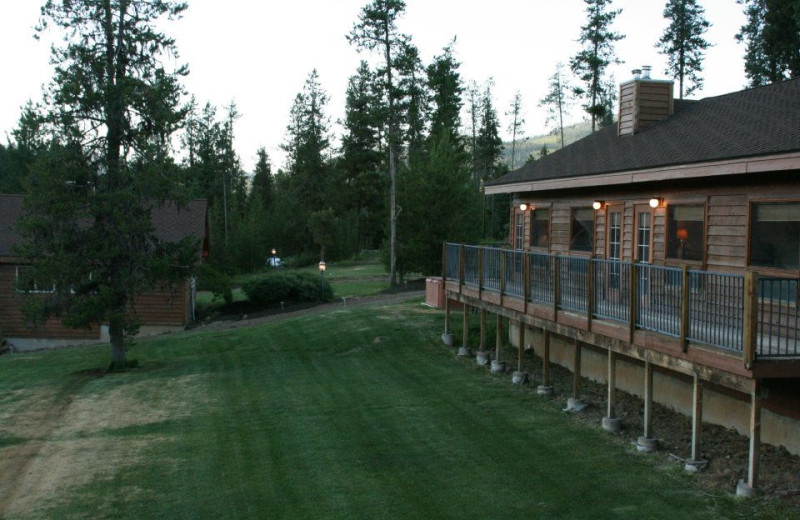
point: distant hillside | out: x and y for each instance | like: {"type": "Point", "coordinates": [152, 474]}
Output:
{"type": "Point", "coordinates": [534, 144]}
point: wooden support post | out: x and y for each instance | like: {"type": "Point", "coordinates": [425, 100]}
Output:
{"type": "Point", "coordinates": [750, 325]}
{"type": "Point", "coordinates": [648, 399]}
{"type": "Point", "coordinates": [755, 435]}
{"type": "Point", "coordinates": [447, 306]}
{"type": "Point", "coordinates": [498, 340]}
{"type": "Point", "coordinates": [526, 280]}
{"type": "Point", "coordinates": [520, 343]}
{"type": "Point", "coordinates": [697, 416]}
{"type": "Point", "coordinates": [576, 370]}
{"type": "Point", "coordinates": [483, 330]}
{"type": "Point", "coordinates": [612, 383]}
{"type": "Point", "coordinates": [480, 272]}
{"type": "Point", "coordinates": [546, 358]}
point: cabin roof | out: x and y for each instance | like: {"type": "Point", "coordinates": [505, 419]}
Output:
{"type": "Point", "coordinates": [749, 123]}
{"type": "Point", "coordinates": [171, 222]}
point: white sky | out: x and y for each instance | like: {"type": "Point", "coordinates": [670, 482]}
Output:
{"type": "Point", "coordinates": [259, 54]}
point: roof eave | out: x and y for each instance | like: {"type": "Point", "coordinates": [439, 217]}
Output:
{"type": "Point", "coordinates": [760, 164]}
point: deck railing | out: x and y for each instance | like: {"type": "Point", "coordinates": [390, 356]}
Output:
{"type": "Point", "coordinates": [738, 312]}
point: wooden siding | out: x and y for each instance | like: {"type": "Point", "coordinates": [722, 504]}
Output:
{"type": "Point", "coordinates": [643, 103]}
{"type": "Point", "coordinates": [164, 307]}
{"type": "Point", "coordinates": [13, 322]}
{"type": "Point", "coordinates": [726, 221]}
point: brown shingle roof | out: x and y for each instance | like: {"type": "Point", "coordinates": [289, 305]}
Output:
{"type": "Point", "coordinates": [172, 223]}
{"type": "Point", "coordinates": [759, 121]}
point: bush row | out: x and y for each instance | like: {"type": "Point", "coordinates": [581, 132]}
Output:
{"type": "Point", "coordinates": [287, 286]}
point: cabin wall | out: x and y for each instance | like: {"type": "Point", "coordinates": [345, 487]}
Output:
{"type": "Point", "coordinates": [726, 218]}
{"type": "Point", "coordinates": [780, 422]}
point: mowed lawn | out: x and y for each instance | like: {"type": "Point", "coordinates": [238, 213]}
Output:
{"type": "Point", "coordinates": [359, 413]}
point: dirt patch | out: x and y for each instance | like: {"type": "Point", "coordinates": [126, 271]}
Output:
{"type": "Point", "coordinates": [725, 449]}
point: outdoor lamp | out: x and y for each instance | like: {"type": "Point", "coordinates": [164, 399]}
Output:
{"type": "Point", "coordinates": [523, 207]}
{"type": "Point", "coordinates": [322, 266]}
{"type": "Point", "coordinates": [274, 251]}
{"type": "Point", "coordinates": [655, 202]}
{"type": "Point", "coordinates": [598, 204]}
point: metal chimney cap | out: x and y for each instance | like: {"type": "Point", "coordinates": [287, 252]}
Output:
{"type": "Point", "coordinates": [646, 71]}
{"type": "Point", "coordinates": [637, 73]}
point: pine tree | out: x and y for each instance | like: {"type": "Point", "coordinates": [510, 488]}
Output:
{"type": "Point", "coordinates": [683, 43]}
{"type": "Point", "coordinates": [557, 101]}
{"type": "Point", "coordinates": [262, 179]}
{"type": "Point", "coordinates": [87, 224]}
{"type": "Point", "coordinates": [515, 126]}
{"type": "Point", "coordinates": [772, 39]}
{"type": "Point", "coordinates": [591, 62]}
{"type": "Point", "coordinates": [489, 145]}
{"type": "Point", "coordinates": [376, 30]}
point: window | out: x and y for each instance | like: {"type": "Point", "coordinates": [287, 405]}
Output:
{"type": "Point", "coordinates": [518, 223]}
{"type": "Point", "coordinates": [27, 284]}
{"type": "Point", "coordinates": [582, 229]}
{"type": "Point", "coordinates": [685, 225]}
{"type": "Point", "coordinates": [643, 236]}
{"type": "Point", "coordinates": [775, 235]}
{"type": "Point", "coordinates": [540, 228]}
{"type": "Point", "coordinates": [615, 234]}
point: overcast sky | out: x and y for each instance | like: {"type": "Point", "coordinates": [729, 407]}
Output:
{"type": "Point", "coordinates": [259, 54]}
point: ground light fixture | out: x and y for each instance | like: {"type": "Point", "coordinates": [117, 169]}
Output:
{"type": "Point", "coordinates": [322, 280]}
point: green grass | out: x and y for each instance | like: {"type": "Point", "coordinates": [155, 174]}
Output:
{"type": "Point", "coordinates": [358, 413]}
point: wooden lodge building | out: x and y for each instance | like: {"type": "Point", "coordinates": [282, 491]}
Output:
{"type": "Point", "coordinates": [170, 308]}
{"type": "Point", "coordinates": [661, 256]}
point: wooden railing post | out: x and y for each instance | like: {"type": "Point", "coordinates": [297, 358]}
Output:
{"type": "Point", "coordinates": [462, 260]}
{"type": "Point", "coordinates": [526, 280]}
{"type": "Point", "coordinates": [633, 299]}
{"type": "Point", "coordinates": [502, 274]}
{"type": "Point", "coordinates": [480, 271]}
{"type": "Point", "coordinates": [590, 291]}
{"type": "Point", "coordinates": [750, 322]}
{"type": "Point", "coordinates": [556, 285]}
{"type": "Point", "coordinates": [684, 308]}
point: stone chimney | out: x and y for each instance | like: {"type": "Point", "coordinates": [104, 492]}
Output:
{"type": "Point", "coordinates": [643, 102]}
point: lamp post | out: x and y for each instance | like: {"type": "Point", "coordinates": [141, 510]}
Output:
{"type": "Point", "coordinates": [322, 280]}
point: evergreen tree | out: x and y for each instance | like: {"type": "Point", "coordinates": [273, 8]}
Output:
{"type": "Point", "coordinates": [489, 145]}
{"type": "Point", "coordinates": [87, 218]}
{"type": "Point", "coordinates": [413, 103]}
{"type": "Point", "coordinates": [683, 43]}
{"type": "Point", "coordinates": [307, 145]}
{"type": "Point", "coordinates": [591, 62]}
{"type": "Point", "coordinates": [362, 160]}
{"type": "Point", "coordinates": [772, 39]}
{"type": "Point", "coordinates": [262, 179]}
{"type": "Point", "coordinates": [557, 101]}
{"type": "Point", "coordinates": [515, 126]}
{"type": "Point", "coordinates": [444, 83]}
{"type": "Point", "coordinates": [376, 30]}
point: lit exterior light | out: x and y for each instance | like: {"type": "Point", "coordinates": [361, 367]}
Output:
{"type": "Point", "coordinates": [523, 207]}
{"type": "Point", "coordinates": [598, 204]}
{"type": "Point", "coordinates": [654, 203]}
{"type": "Point", "coordinates": [322, 266]}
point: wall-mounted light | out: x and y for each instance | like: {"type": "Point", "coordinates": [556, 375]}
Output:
{"type": "Point", "coordinates": [598, 204]}
{"type": "Point", "coordinates": [655, 202]}
{"type": "Point", "coordinates": [523, 207]}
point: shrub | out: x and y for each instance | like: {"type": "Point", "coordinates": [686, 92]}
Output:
{"type": "Point", "coordinates": [286, 286]}
{"type": "Point", "coordinates": [210, 279]}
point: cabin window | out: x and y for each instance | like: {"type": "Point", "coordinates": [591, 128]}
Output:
{"type": "Point", "coordinates": [518, 230]}
{"type": "Point", "coordinates": [27, 284]}
{"type": "Point", "coordinates": [582, 229]}
{"type": "Point", "coordinates": [540, 228]}
{"type": "Point", "coordinates": [685, 227]}
{"type": "Point", "coordinates": [775, 235]}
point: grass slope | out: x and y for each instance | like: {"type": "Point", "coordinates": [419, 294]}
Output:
{"type": "Point", "coordinates": [358, 413]}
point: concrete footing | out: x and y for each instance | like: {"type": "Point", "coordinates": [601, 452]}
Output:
{"type": "Point", "coordinates": [498, 367]}
{"type": "Point", "coordinates": [575, 405]}
{"type": "Point", "coordinates": [544, 390]}
{"type": "Point", "coordinates": [482, 357]}
{"type": "Point", "coordinates": [744, 490]}
{"type": "Point", "coordinates": [647, 444]}
{"type": "Point", "coordinates": [519, 378]}
{"type": "Point", "coordinates": [464, 352]}
{"type": "Point", "coordinates": [695, 466]}
{"type": "Point", "coordinates": [447, 339]}
{"type": "Point", "coordinates": [612, 424]}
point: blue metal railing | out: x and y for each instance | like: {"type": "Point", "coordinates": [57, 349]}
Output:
{"type": "Point", "coordinates": [695, 306]}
